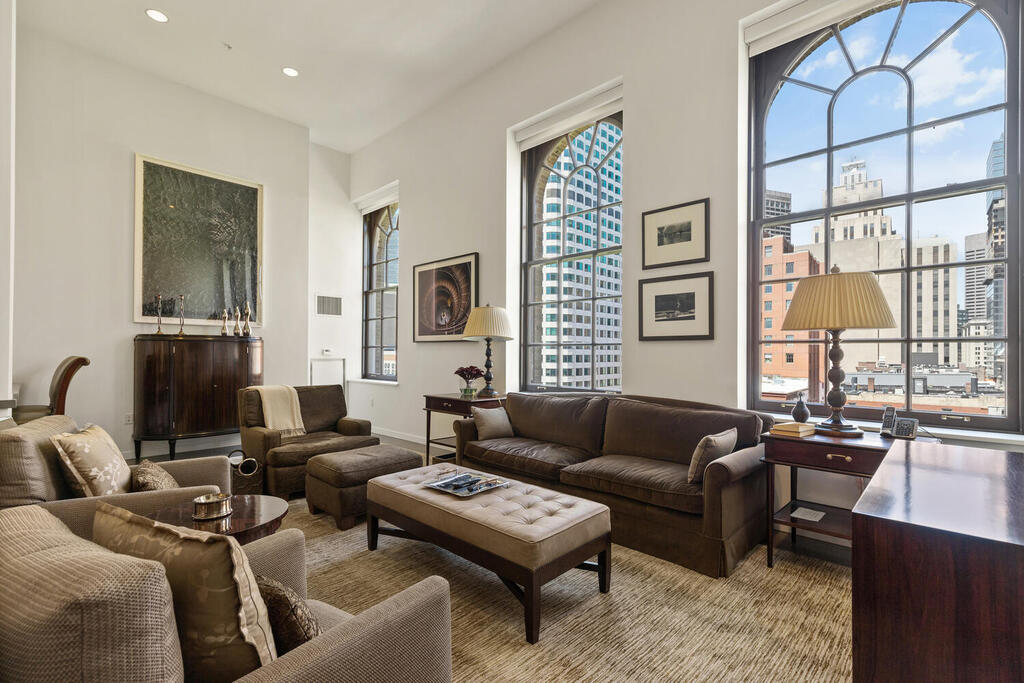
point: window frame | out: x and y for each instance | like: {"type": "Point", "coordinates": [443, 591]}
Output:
{"type": "Point", "coordinates": [767, 73]}
{"type": "Point", "coordinates": [532, 161]}
{"type": "Point", "coordinates": [371, 221]}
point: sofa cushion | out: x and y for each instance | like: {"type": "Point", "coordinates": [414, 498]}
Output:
{"type": "Point", "coordinates": [29, 468]}
{"type": "Point", "coordinates": [301, 449]}
{"type": "Point", "coordinates": [92, 463]}
{"type": "Point", "coordinates": [291, 620]}
{"type": "Point", "coordinates": [148, 476]}
{"type": "Point", "coordinates": [358, 466]}
{"type": "Point", "coordinates": [222, 621]}
{"type": "Point", "coordinates": [529, 456]}
{"type": "Point", "coordinates": [650, 430]}
{"type": "Point", "coordinates": [711, 447]}
{"type": "Point", "coordinates": [71, 610]}
{"type": "Point", "coordinates": [576, 421]}
{"type": "Point", "coordinates": [656, 482]}
{"type": "Point", "coordinates": [321, 407]}
{"type": "Point", "coordinates": [748, 433]}
{"type": "Point", "coordinates": [491, 423]}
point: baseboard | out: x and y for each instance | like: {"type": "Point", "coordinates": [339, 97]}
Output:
{"type": "Point", "coordinates": [405, 436]}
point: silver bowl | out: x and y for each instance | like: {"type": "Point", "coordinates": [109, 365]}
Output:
{"type": "Point", "coordinates": [211, 506]}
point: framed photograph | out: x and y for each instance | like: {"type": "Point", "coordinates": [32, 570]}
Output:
{"type": "Point", "coordinates": [444, 293]}
{"type": "Point", "coordinates": [200, 234]}
{"type": "Point", "coordinates": [677, 235]}
{"type": "Point", "coordinates": [678, 307]}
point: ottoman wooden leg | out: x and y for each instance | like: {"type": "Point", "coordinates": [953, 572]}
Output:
{"type": "Point", "coordinates": [531, 606]}
{"type": "Point", "coordinates": [372, 526]}
{"type": "Point", "coordinates": [604, 569]}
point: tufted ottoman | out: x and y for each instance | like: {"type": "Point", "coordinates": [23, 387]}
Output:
{"type": "Point", "coordinates": [336, 482]}
{"type": "Point", "coordinates": [525, 534]}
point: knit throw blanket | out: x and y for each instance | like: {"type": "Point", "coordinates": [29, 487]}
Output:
{"type": "Point", "coordinates": [281, 410]}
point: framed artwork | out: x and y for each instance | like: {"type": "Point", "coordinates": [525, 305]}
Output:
{"type": "Point", "coordinates": [444, 293]}
{"type": "Point", "coordinates": [677, 235]}
{"type": "Point", "coordinates": [678, 307]}
{"type": "Point", "coordinates": [200, 234]}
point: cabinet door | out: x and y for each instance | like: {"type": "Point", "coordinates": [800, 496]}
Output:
{"type": "Point", "coordinates": [255, 364]}
{"type": "Point", "coordinates": [229, 373]}
{"type": "Point", "coordinates": [152, 388]}
{"type": "Point", "coordinates": [193, 387]}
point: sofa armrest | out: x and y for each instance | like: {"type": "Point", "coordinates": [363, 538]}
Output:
{"type": "Point", "coordinates": [214, 470]}
{"type": "Point", "coordinates": [256, 441]}
{"type": "Point", "coordinates": [282, 557]}
{"type": "Point", "coordinates": [465, 431]}
{"type": "Point", "coordinates": [78, 513]}
{"type": "Point", "coordinates": [351, 426]}
{"type": "Point", "coordinates": [407, 637]}
{"type": "Point", "coordinates": [734, 491]}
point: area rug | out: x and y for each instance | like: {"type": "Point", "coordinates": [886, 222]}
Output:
{"type": "Point", "coordinates": [660, 622]}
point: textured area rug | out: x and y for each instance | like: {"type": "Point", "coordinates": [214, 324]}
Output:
{"type": "Point", "coordinates": [660, 622]}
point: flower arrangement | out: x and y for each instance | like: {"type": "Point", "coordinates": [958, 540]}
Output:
{"type": "Point", "coordinates": [468, 374]}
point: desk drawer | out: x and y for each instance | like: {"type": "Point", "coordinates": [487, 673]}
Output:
{"type": "Point", "coordinates": [842, 458]}
{"type": "Point", "coordinates": [448, 405]}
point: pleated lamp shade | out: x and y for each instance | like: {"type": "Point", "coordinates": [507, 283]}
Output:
{"type": "Point", "coordinates": [487, 322]}
{"type": "Point", "coordinates": [838, 301]}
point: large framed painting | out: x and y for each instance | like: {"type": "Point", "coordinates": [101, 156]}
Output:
{"type": "Point", "coordinates": [677, 235]}
{"type": "Point", "coordinates": [678, 307]}
{"type": "Point", "coordinates": [444, 293]}
{"type": "Point", "coordinates": [200, 234]}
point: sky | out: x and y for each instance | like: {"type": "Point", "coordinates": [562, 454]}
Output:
{"type": "Point", "coordinates": [963, 73]}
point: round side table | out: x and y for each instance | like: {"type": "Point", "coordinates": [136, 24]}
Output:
{"type": "Point", "coordinates": [252, 517]}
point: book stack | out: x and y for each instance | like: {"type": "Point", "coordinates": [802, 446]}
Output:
{"type": "Point", "coordinates": [799, 429]}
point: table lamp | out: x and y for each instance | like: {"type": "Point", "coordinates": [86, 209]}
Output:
{"type": "Point", "coordinates": [487, 323]}
{"type": "Point", "coordinates": [836, 302]}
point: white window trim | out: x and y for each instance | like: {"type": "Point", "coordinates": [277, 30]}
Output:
{"type": "Point", "coordinates": [788, 20]}
{"type": "Point", "coordinates": [379, 198]}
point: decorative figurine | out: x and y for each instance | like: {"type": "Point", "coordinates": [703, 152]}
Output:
{"type": "Point", "coordinates": [159, 313]}
{"type": "Point", "coordinates": [224, 325]}
{"type": "Point", "coordinates": [800, 411]}
{"type": "Point", "coordinates": [238, 320]}
{"type": "Point", "coordinates": [181, 315]}
{"type": "Point", "coordinates": [246, 329]}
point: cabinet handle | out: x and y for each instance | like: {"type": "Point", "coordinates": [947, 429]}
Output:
{"type": "Point", "coordinates": [445, 404]}
{"type": "Point", "coordinates": [847, 458]}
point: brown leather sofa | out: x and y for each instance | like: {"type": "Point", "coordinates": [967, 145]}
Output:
{"type": "Point", "coordinates": [632, 453]}
{"type": "Point", "coordinates": [329, 429]}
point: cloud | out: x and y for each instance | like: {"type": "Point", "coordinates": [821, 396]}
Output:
{"type": "Point", "coordinates": [860, 48]}
{"type": "Point", "coordinates": [936, 134]}
{"type": "Point", "coordinates": [827, 60]}
{"type": "Point", "coordinates": [946, 73]}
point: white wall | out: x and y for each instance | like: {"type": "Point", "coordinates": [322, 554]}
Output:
{"type": "Point", "coordinates": [8, 29]}
{"type": "Point", "coordinates": [80, 120]}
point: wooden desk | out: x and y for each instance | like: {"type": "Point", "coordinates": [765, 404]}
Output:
{"type": "Point", "coordinates": [938, 566]}
{"type": "Point", "coordinates": [453, 404]}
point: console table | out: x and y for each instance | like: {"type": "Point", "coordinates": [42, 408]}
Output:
{"type": "Point", "coordinates": [453, 404]}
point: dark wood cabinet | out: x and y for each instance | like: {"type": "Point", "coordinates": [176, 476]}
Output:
{"type": "Point", "coordinates": [187, 387]}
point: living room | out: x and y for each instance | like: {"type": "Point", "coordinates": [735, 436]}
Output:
{"type": "Point", "coordinates": [617, 211]}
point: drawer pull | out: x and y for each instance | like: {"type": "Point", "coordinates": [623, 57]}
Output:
{"type": "Point", "coordinates": [446, 404]}
{"type": "Point", "coordinates": [847, 458]}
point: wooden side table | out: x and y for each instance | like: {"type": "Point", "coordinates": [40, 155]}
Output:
{"type": "Point", "coordinates": [855, 457]}
{"type": "Point", "coordinates": [251, 518]}
{"type": "Point", "coordinates": [453, 404]}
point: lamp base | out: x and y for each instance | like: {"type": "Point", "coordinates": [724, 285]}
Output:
{"type": "Point", "coordinates": [487, 392]}
{"type": "Point", "coordinates": [847, 431]}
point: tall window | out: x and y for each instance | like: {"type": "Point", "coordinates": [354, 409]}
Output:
{"type": "Point", "coordinates": [572, 260]}
{"type": "Point", "coordinates": [380, 293]}
{"type": "Point", "coordinates": [888, 143]}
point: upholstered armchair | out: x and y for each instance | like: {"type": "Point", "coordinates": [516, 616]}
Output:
{"type": "Point", "coordinates": [58, 391]}
{"type": "Point", "coordinates": [328, 429]}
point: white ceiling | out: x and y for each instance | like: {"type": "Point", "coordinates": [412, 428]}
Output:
{"type": "Point", "coordinates": [364, 66]}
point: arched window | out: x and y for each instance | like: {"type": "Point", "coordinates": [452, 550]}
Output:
{"type": "Point", "coordinates": [888, 143]}
{"type": "Point", "coordinates": [380, 293]}
{"type": "Point", "coordinates": [572, 260]}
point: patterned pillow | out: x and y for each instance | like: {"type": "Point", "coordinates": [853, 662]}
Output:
{"type": "Point", "coordinates": [149, 476]}
{"type": "Point", "coordinates": [92, 462]}
{"type": "Point", "coordinates": [711, 447]}
{"type": "Point", "coordinates": [222, 620]}
{"type": "Point", "coordinates": [291, 620]}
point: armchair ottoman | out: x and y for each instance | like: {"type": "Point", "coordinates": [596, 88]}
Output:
{"type": "Point", "coordinates": [329, 429]}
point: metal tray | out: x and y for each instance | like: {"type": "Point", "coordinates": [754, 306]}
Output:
{"type": "Point", "coordinates": [447, 483]}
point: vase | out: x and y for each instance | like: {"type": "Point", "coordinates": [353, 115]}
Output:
{"type": "Point", "coordinates": [468, 392]}
{"type": "Point", "coordinates": [800, 411]}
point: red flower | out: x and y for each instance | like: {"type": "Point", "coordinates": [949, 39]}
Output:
{"type": "Point", "coordinates": [469, 373]}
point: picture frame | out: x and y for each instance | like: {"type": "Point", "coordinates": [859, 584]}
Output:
{"type": "Point", "coordinates": [444, 294]}
{"type": "Point", "coordinates": [676, 235]}
{"type": "Point", "coordinates": [677, 307]}
{"type": "Point", "coordinates": [197, 233]}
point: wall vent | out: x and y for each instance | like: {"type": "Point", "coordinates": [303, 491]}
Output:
{"type": "Point", "coordinates": [328, 305]}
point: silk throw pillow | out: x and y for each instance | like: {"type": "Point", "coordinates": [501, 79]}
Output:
{"type": "Point", "coordinates": [92, 463]}
{"type": "Point", "coordinates": [711, 447]}
{"type": "Point", "coordinates": [222, 621]}
{"type": "Point", "coordinates": [491, 423]}
{"type": "Point", "coordinates": [291, 620]}
{"type": "Point", "coordinates": [149, 476]}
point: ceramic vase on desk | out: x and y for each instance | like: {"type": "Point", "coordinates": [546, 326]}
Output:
{"type": "Point", "coordinates": [801, 413]}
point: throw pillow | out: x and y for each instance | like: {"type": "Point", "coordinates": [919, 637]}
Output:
{"type": "Point", "coordinates": [291, 620]}
{"type": "Point", "coordinates": [149, 476]}
{"type": "Point", "coordinates": [711, 447]}
{"type": "Point", "coordinates": [92, 462]}
{"type": "Point", "coordinates": [222, 620]}
{"type": "Point", "coordinates": [492, 423]}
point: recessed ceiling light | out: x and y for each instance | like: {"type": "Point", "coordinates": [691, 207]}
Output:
{"type": "Point", "coordinates": [157, 16]}
{"type": "Point", "coordinates": [290, 72]}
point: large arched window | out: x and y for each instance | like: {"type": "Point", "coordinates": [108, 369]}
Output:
{"type": "Point", "coordinates": [572, 260]}
{"type": "Point", "coordinates": [380, 293]}
{"type": "Point", "coordinates": [888, 143]}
